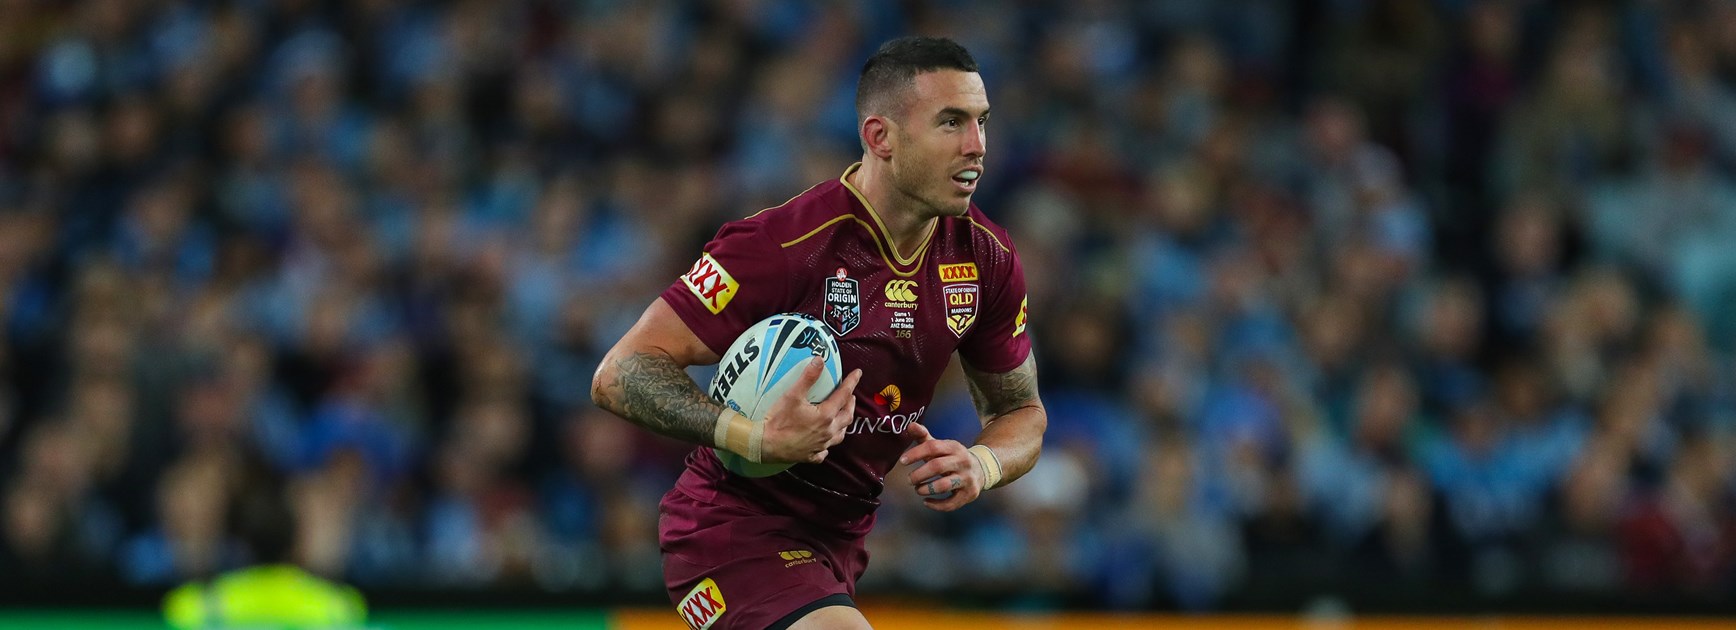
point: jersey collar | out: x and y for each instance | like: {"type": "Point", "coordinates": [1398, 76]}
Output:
{"type": "Point", "coordinates": [880, 231]}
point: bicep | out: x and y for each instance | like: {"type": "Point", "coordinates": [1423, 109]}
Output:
{"type": "Point", "coordinates": [660, 330]}
{"type": "Point", "coordinates": [997, 394]}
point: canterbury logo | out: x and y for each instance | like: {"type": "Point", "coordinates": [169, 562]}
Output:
{"type": "Point", "coordinates": [795, 555]}
{"type": "Point", "coordinates": [901, 290]}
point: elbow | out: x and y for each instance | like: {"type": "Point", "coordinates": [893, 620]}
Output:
{"type": "Point", "coordinates": [600, 382]}
{"type": "Point", "coordinates": [1039, 428]}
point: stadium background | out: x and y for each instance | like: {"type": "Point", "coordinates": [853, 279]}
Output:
{"type": "Point", "coordinates": [1417, 306]}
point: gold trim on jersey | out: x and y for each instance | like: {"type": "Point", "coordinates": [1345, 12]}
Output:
{"type": "Point", "coordinates": [877, 244]}
{"type": "Point", "coordinates": [811, 233]}
{"type": "Point", "coordinates": [916, 257]}
{"type": "Point", "coordinates": [785, 203]}
{"type": "Point", "coordinates": [989, 232]}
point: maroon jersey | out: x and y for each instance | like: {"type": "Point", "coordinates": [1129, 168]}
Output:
{"type": "Point", "coordinates": [826, 253]}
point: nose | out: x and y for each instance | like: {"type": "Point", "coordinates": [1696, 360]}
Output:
{"type": "Point", "coordinates": [976, 142]}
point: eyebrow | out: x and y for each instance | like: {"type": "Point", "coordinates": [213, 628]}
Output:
{"type": "Point", "coordinates": [954, 111]}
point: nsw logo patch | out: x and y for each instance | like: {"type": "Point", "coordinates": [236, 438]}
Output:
{"type": "Point", "coordinates": [702, 606]}
{"type": "Point", "coordinates": [843, 303]}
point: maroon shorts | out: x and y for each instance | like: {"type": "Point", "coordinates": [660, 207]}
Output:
{"type": "Point", "coordinates": [733, 567]}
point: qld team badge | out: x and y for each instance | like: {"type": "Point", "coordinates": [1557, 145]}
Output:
{"type": "Point", "coordinates": [961, 306]}
{"type": "Point", "coordinates": [843, 303]}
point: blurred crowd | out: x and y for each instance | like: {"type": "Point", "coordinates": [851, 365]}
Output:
{"type": "Point", "coordinates": [1349, 294]}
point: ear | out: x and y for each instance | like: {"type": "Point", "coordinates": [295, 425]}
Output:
{"type": "Point", "coordinates": [877, 136]}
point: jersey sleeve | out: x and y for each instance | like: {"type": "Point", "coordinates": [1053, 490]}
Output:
{"type": "Point", "coordinates": [737, 281]}
{"type": "Point", "coordinates": [999, 343]}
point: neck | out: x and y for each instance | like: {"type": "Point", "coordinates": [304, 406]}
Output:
{"type": "Point", "coordinates": [906, 224]}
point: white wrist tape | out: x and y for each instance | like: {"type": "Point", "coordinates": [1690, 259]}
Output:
{"type": "Point", "coordinates": [990, 463]}
{"type": "Point", "coordinates": [737, 434]}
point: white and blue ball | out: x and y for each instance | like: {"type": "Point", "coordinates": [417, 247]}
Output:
{"type": "Point", "coordinates": [766, 360]}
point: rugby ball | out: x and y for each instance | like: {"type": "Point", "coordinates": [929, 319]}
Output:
{"type": "Point", "coordinates": [766, 360]}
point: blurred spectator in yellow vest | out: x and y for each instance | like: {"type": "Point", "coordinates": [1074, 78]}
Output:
{"type": "Point", "coordinates": [275, 592]}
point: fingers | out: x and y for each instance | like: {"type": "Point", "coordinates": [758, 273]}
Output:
{"type": "Point", "coordinates": [931, 450]}
{"type": "Point", "coordinates": [938, 467]}
{"type": "Point", "coordinates": [844, 394]}
{"type": "Point", "coordinates": [916, 430]}
{"type": "Point", "coordinates": [820, 456]}
{"type": "Point", "coordinates": [942, 486]}
{"type": "Point", "coordinates": [844, 414]}
{"type": "Point", "coordinates": [947, 493]}
{"type": "Point", "coordinates": [956, 501]}
{"type": "Point", "coordinates": [810, 374]}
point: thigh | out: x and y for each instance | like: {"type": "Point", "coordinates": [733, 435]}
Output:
{"type": "Point", "coordinates": [728, 567]}
{"type": "Point", "coordinates": [836, 617]}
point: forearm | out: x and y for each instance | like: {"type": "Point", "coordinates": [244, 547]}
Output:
{"type": "Point", "coordinates": [1013, 419]}
{"type": "Point", "coordinates": [653, 391]}
{"type": "Point", "coordinates": [1016, 438]}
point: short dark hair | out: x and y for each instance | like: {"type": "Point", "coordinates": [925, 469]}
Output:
{"type": "Point", "coordinates": [894, 68]}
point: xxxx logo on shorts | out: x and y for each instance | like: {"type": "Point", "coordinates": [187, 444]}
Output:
{"type": "Point", "coordinates": [711, 283]}
{"type": "Point", "coordinates": [702, 606]}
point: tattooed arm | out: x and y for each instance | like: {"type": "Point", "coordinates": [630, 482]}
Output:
{"type": "Point", "coordinates": [1013, 416]}
{"type": "Point", "coordinates": [644, 379]}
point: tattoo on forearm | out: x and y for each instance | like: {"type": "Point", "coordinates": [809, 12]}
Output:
{"type": "Point", "coordinates": [1000, 394]}
{"type": "Point", "coordinates": [655, 393]}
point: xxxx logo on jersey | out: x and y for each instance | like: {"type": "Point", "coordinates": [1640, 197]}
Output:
{"type": "Point", "coordinates": [702, 606]}
{"type": "Point", "coordinates": [901, 294]}
{"type": "Point", "coordinates": [960, 272]}
{"type": "Point", "coordinates": [711, 283]}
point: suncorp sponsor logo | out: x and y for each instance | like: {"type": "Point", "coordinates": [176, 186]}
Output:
{"type": "Point", "coordinates": [890, 396]}
{"type": "Point", "coordinates": [894, 423]}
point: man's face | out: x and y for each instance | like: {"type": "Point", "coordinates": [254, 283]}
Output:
{"type": "Point", "coordinates": [939, 141]}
